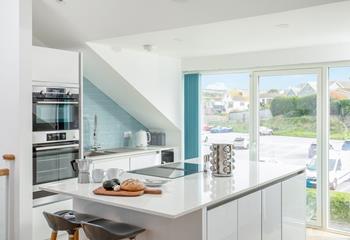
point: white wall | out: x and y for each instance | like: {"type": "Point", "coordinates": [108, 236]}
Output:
{"type": "Point", "coordinates": [302, 55]}
{"type": "Point", "coordinates": [16, 110]}
{"type": "Point", "coordinates": [37, 42]}
{"type": "Point", "coordinates": [157, 77]}
{"type": "Point", "coordinates": [108, 80]}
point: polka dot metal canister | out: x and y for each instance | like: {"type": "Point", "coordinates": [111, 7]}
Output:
{"type": "Point", "coordinates": [221, 158]}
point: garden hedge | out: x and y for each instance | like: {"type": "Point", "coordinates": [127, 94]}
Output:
{"type": "Point", "coordinates": [301, 106]}
{"type": "Point", "coordinates": [339, 205]}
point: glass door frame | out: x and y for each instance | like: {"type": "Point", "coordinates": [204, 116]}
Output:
{"type": "Point", "coordinates": [325, 172]}
{"type": "Point", "coordinates": [321, 140]}
{"type": "Point", "coordinates": [323, 128]}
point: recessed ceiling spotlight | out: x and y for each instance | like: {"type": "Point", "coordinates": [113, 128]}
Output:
{"type": "Point", "coordinates": [60, 1]}
{"type": "Point", "coordinates": [180, 1]}
{"type": "Point", "coordinates": [148, 47]}
{"type": "Point", "coordinates": [177, 40]}
{"type": "Point", "coordinates": [283, 25]}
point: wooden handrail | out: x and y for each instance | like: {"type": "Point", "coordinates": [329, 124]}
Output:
{"type": "Point", "coordinates": [9, 157]}
{"type": "Point", "coordinates": [4, 172]}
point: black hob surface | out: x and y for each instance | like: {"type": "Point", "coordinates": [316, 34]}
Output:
{"type": "Point", "coordinates": [172, 170]}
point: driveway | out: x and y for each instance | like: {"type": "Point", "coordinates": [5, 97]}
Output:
{"type": "Point", "coordinates": [289, 150]}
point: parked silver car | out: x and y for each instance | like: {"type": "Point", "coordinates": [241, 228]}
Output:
{"type": "Point", "coordinates": [241, 143]}
{"type": "Point", "coordinates": [265, 131]}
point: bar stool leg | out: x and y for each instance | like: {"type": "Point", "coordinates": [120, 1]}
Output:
{"type": "Point", "coordinates": [71, 236]}
{"type": "Point", "coordinates": [53, 235]}
{"type": "Point", "coordinates": [76, 234]}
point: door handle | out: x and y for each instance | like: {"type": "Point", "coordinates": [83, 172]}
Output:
{"type": "Point", "coordinates": [57, 147]}
{"type": "Point", "coordinates": [42, 102]}
{"type": "Point", "coordinates": [9, 157]}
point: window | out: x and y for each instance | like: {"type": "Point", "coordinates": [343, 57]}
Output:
{"type": "Point", "coordinates": [288, 126]}
{"type": "Point", "coordinates": [288, 123]}
{"type": "Point", "coordinates": [339, 135]}
{"type": "Point", "coordinates": [225, 111]}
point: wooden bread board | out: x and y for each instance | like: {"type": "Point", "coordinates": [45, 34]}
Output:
{"type": "Point", "coordinates": [122, 193]}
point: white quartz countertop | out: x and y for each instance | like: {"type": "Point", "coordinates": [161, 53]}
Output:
{"type": "Point", "coordinates": [187, 194]}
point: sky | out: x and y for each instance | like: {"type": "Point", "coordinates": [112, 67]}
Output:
{"type": "Point", "coordinates": [241, 80]}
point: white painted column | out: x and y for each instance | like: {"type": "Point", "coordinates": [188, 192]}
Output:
{"type": "Point", "coordinates": [15, 108]}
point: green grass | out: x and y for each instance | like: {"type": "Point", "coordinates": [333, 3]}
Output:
{"type": "Point", "coordinates": [303, 126]}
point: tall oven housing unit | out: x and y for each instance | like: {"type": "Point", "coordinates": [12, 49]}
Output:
{"type": "Point", "coordinates": [56, 107]}
{"type": "Point", "coordinates": [57, 111]}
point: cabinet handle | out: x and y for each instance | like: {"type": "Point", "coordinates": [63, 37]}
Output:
{"type": "Point", "coordinates": [9, 157]}
{"type": "Point", "coordinates": [4, 172]}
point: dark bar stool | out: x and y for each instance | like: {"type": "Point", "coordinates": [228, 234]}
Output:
{"type": "Point", "coordinates": [67, 220]}
{"type": "Point", "coordinates": [103, 229]}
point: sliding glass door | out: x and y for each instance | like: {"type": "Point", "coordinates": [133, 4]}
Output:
{"type": "Point", "coordinates": [339, 151]}
{"type": "Point", "coordinates": [299, 116]}
{"type": "Point", "coordinates": [225, 111]}
{"type": "Point", "coordinates": [287, 126]}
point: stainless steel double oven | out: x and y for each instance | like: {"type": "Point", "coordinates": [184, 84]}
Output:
{"type": "Point", "coordinates": [56, 123]}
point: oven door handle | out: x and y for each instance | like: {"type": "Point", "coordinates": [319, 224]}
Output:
{"type": "Point", "coordinates": [57, 147]}
{"type": "Point", "coordinates": [43, 102]}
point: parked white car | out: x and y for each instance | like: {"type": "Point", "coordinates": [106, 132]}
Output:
{"type": "Point", "coordinates": [241, 143]}
{"type": "Point", "coordinates": [338, 171]}
{"type": "Point", "coordinates": [265, 131]}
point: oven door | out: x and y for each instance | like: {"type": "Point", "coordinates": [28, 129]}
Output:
{"type": "Point", "coordinates": [55, 115]}
{"type": "Point", "coordinates": [53, 162]}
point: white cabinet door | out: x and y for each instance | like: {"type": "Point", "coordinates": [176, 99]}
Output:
{"type": "Point", "coordinates": [53, 65]}
{"type": "Point", "coordinates": [272, 213]}
{"type": "Point", "coordinates": [293, 208]}
{"type": "Point", "coordinates": [143, 161]}
{"type": "Point", "coordinates": [3, 206]}
{"type": "Point", "coordinates": [249, 217]}
{"type": "Point", "coordinates": [41, 230]}
{"type": "Point", "coordinates": [222, 222]}
{"type": "Point", "coordinates": [122, 163]}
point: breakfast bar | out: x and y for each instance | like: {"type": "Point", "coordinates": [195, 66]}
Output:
{"type": "Point", "coordinates": [259, 201]}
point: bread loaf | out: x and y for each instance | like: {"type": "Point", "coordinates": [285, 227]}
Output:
{"type": "Point", "coordinates": [132, 185]}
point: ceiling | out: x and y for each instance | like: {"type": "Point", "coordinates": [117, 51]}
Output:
{"type": "Point", "coordinates": [320, 25]}
{"type": "Point", "coordinates": [72, 22]}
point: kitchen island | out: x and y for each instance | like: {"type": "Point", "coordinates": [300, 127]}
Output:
{"type": "Point", "coordinates": [260, 201]}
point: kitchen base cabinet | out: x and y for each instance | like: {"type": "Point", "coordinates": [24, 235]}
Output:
{"type": "Point", "coordinates": [122, 163]}
{"type": "Point", "coordinates": [294, 208]}
{"type": "Point", "coordinates": [41, 230]}
{"type": "Point", "coordinates": [249, 217]}
{"type": "Point", "coordinates": [144, 161]}
{"type": "Point", "coordinates": [222, 222]}
{"type": "Point", "coordinates": [276, 212]}
{"type": "Point", "coordinates": [272, 212]}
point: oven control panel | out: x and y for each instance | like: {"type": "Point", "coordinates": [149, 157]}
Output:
{"type": "Point", "coordinates": [56, 136]}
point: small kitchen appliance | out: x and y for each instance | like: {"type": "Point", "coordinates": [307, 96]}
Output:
{"type": "Point", "coordinates": [83, 169]}
{"type": "Point", "coordinates": [221, 159]}
{"type": "Point", "coordinates": [142, 138]}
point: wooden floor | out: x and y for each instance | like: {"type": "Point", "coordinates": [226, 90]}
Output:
{"type": "Point", "coordinates": [313, 234]}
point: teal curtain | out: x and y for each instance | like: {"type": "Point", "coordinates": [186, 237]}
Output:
{"type": "Point", "coordinates": [192, 115]}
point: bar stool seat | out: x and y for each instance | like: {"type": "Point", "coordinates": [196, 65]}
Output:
{"type": "Point", "coordinates": [67, 220]}
{"type": "Point", "coordinates": [103, 229]}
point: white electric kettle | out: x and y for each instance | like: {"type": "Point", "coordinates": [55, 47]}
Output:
{"type": "Point", "coordinates": [142, 138]}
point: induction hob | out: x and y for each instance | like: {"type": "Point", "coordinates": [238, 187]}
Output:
{"type": "Point", "coordinates": [171, 170]}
